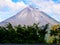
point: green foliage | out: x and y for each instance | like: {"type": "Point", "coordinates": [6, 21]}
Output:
{"type": "Point", "coordinates": [24, 34]}
{"type": "Point", "coordinates": [55, 31]}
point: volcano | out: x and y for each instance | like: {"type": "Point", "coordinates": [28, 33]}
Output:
{"type": "Point", "coordinates": [28, 16]}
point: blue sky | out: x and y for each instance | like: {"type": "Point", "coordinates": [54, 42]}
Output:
{"type": "Point", "coordinates": [9, 8]}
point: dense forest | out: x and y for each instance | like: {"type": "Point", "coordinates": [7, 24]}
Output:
{"type": "Point", "coordinates": [31, 34]}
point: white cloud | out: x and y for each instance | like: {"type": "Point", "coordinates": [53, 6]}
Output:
{"type": "Point", "coordinates": [10, 4]}
{"type": "Point", "coordinates": [48, 6]}
{"type": "Point", "coordinates": [13, 8]}
{"type": "Point", "coordinates": [56, 9]}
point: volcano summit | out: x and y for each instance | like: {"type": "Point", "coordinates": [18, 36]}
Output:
{"type": "Point", "coordinates": [28, 16]}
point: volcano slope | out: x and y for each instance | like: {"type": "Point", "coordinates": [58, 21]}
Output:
{"type": "Point", "coordinates": [28, 16]}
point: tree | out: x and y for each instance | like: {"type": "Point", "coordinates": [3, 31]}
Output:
{"type": "Point", "coordinates": [56, 32]}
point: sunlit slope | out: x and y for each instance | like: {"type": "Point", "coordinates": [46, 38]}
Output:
{"type": "Point", "coordinates": [28, 16]}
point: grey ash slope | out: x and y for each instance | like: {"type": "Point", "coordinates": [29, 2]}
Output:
{"type": "Point", "coordinates": [28, 16]}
